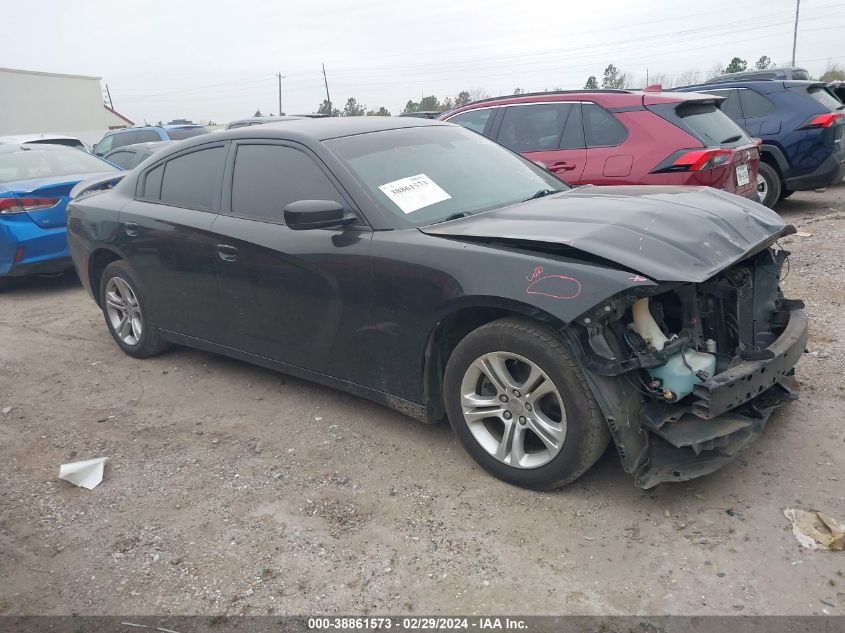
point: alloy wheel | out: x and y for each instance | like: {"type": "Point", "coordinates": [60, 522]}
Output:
{"type": "Point", "coordinates": [513, 410]}
{"type": "Point", "coordinates": [124, 311]}
{"type": "Point", "coordinates": [762, 188]}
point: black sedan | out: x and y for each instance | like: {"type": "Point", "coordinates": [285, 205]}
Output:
{"type": "Point", "coordinates": [420, 265]}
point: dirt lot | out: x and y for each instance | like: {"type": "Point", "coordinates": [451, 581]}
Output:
{"type": "Point", "coordinates": [233, 489]}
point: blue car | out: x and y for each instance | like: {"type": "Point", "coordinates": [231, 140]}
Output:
{"type": "Point", "coordinates": [148, 134]}
{"type": "Point", "coordinates": [35, 183]}
{"type": "Point", "coordinates": [801, 124]}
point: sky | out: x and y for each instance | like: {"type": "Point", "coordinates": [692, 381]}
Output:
{"type": "Point", "coordinates": [218, 60]}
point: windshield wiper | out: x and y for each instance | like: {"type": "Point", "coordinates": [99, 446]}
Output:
{"type": "Point", "coordinates": [731, 139]}
{"type": "Point", "coordinates": [453, 216]}
{"type": "Point", "coordinates": [541, 193]}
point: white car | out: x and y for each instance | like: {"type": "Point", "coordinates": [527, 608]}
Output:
{"type": "Point", "coordinates": [52, 139]}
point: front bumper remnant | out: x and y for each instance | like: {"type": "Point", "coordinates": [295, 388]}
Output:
{"type": "Point", "coordinates": [731, 411]}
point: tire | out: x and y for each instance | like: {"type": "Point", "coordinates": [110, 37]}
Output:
{"type": "Point", "coordinates": [769, 185]}
{"type": "Point", "coordinates": [139, 336]}
{"type": "Point", "coordinates": [538, 362]}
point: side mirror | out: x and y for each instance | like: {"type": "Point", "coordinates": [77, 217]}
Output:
{"type": "Point", "coordinates": [316, 214]}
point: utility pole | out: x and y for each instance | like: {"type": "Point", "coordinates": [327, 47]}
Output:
{"type": "Point", "coordinates": [326, 82]}
{"type": "Point", "coordinates": [795, 32]}
{"type": "Point", "coordinates": [111, 105]}
{"type": "Point", "coordinates": [280, 76]}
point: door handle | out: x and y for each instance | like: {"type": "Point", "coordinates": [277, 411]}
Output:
{"type": "Point", "coordinates": [561, 166]}
{"type": "Point", "coordinates": [131, 228]}
{"type": "Point", "coordinates": [227, 253]}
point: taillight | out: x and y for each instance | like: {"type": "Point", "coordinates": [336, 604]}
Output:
{"type": "Point", "coordinates": [823, 120]}
{"type": "Point", "coordinates": [694, 160]}
{"type": "Point", "coordinates": [22, 205]}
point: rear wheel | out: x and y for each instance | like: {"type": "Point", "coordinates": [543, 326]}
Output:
{"type": "Point", "coordinates": [128, 317]}
{"type": "Point", "coordinates": [521, 407]}
{"type": "Point", "coordinates": [769, 185]}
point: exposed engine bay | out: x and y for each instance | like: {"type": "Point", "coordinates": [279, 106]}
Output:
{"type": "Point", "coordinates": [688, 373]}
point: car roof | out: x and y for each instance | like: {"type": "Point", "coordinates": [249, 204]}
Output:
{"type": "Point", "coordinates": [765, 85]}
{"type": "Point", "coordinates": [325, 128]}
{"type": "Point", "coordinates": [266, 119]}
{"type": "Point", "coordinates": [779, 73]}
{"type": "Point", "coordinates": [156, 145]}
{"type": "Point", "coordinates": [28, 138]}
{"type": "Point", "coordinates": [181, 126]}
{"type": "Point", "coordinates": [608, 98]}
{"type": "Point", "coordinates": [11, 148]}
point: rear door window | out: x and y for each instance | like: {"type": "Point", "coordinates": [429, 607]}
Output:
{"type": "Point", "coordinates": [601, 129]}
{"type": "Point", "coordinates": [267, 178]}
{"type": "Point", "coordinates": [534, 127]}
{"type": "Point", "coordinates": [754, 104]}
{"type": "Point", "coordinates": [193, 180]}
{"type": "Point", "coordinates": [475, 120]}
{"type": "Point", "coordinates": [731, 105]}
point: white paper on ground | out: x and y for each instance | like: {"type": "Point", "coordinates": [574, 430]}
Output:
{"type": "Point", "coordinates": [87, 474]}
{"type": "Point", "coordinates": [414, 192]}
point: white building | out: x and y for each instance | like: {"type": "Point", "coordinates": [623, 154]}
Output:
{"type": "Point", "coordinates": [35, 102]}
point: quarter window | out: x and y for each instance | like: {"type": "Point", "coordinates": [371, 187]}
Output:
{"type": "Point", "coordinates": [475, 120]}
{"type": "Point", "coordinates": [601, 128]}
{"type": "Point", "coordinates": [267, 178]}
{"type": "Point", "coordinates": [192, 180]}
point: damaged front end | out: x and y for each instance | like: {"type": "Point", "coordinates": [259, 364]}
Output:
{"type": "Point", "coordinates": [688, 374]}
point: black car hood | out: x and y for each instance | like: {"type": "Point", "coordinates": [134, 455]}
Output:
{"type": "Point", "coordinates": [666, 233]}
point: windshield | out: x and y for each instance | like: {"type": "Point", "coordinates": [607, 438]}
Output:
{"type": "Point", "coordinates": [424, 175]}
{"type": "Point", "coordinates": [821, 95]}
{"type": "Point", "coordinates": [34, 162]}
{"type": "Point", "coordinates": [181, 134]}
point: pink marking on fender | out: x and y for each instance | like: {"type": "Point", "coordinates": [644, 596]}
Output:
{"type": "Point", "coordinates": [637, 278]}
{"type": "Point", "coordinates": [555, 286]}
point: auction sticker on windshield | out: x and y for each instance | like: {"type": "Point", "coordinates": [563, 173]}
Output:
{"type": "Point", "coordinates": [414, 192]}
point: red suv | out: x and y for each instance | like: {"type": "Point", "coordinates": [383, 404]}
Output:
{"type": "Point", "coordinates": [618, 137]}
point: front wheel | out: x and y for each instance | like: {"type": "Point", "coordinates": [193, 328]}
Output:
{"type": "Point", "coordinates": [768, 185]}
{"type": "Point", "coordinates": [521, 407]}
{"type": "Point", "coordinates": [128, 318]}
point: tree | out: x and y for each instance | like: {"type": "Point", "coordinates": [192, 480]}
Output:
{"type": "Point", "coordinates": [430, 103]}
{"type": "Point", "coordinates": [613, 78]}
{"type": "Point", "coordinates": [326, 108]}
{"type": "Point", "coordinates": [353, 108]}
{"type": "Point", "coordinates": [737, 65]}
{"type": "Point", "coordinates": [688, 77]}
{"type": "Point", "coordinates": [833, 72]}
{"type": "Point", "coordinates": [462, 99]}
{"type": "Point", "coordinates": [382, 111]}
{"type": "Point", "coordinates": [476, 94]}
{"type": "Point", "coordinates": [411, 106]}
{"type": "Point", "coordinates": [448, 104]}
{"type": "Point", "coordinates": [764, 62]}
{"type": "Point", "coordinates": [518, 91]}
{"type": "Point", "coordinates": [591, 84]}
{"type": "Point", "coordinates": [257, 113]}
{"type": "Point", "coordinates": [715, 71]}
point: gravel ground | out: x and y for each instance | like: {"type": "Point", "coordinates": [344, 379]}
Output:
{"type": "Point", "coordinates": [233, 489]}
